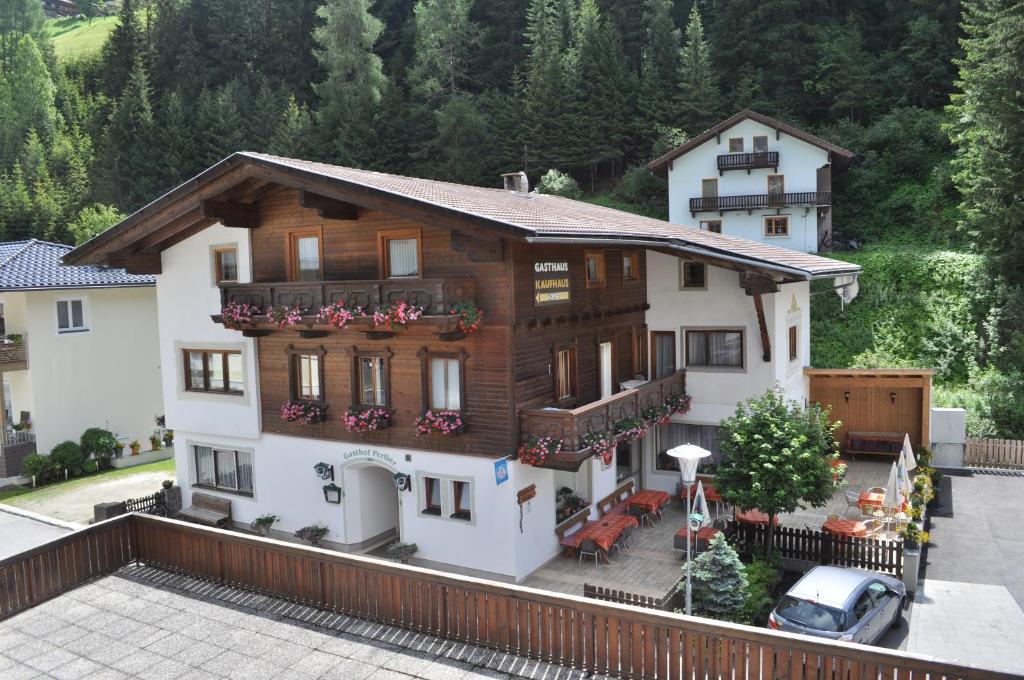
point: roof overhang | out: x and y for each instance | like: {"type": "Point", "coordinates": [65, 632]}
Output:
{"type": "Point", "coordinates": [838, 156]}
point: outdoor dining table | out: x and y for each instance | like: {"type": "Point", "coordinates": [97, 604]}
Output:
{"type": "Point", "coordinates": [870, 500]}
{"type": "Point", "coordinates": [845, 527]}
{"type": "Point", "coordinates": [711, 494]}
{"type": "Point", "coordinates": [648, 500]}
{"type": "Point", "coordinates": [604, 532]}
{"type": "Point", "coordinates": [754, 517]}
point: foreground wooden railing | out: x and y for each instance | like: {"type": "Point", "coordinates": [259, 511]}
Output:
{"type": "Point", "coordinates": [995, 453]}
{"type": "Point", "coordinates": [598, 637]}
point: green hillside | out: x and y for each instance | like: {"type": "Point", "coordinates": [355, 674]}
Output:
{"type": "Point", "coordinates": [79, 37]}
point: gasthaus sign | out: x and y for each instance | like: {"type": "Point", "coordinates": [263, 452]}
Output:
{"type": "Point", "coordinates": [550, 282]}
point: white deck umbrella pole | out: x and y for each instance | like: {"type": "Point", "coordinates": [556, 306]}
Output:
{"type": "Point", "coordinates": [689, 456]}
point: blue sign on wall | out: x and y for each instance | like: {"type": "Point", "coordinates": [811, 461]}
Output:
{"type": "Point", "coordinates": [500, 471]}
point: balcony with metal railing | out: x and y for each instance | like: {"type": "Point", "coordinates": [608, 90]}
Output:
{"type": "Point", "coordinates": [802, 199]}
{"type": "Point", "coordinates": [748, 161]}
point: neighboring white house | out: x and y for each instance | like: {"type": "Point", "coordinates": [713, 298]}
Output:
{"type": "Point", "coordinates": [79, 350]}
{"type": "Point", "coordinates": [755, 177]}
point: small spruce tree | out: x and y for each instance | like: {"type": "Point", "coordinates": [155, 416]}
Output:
{"type": "Point", "coordinates": [719, 582]}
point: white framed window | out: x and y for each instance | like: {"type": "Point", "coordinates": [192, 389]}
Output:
{"type": "Point", "coordinates": [714, 348]}
{"type": "Point", "coordinates": [445, 383]}
{"type": "Point", "coordinates": [223, 469]}
{"type": "Point", "coordinates": [71, 316]}
{"type": "Point", "coordinates": [446, 497]}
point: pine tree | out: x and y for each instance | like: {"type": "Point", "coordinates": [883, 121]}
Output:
{"type": "Point", "coordinates": [719, 581]}
{"type": "Point", "coordinates": [29, 96]}
{"type": "Point", "coordinates": [131, 170]}
{"type": "Point", "coordinates": [20, 18]}
{"type": "Point", "coordinates": [177, 156]}
{"type": "Point", "coordinates": [219, 129]}
{"type": "Point", "coordinates": [987, 133]}
{"type": "Point", "coordinates": [354, 78]}
{"type": "Point", "coordinates": [660, 66]}
{"type": "Point", "coordinates": [549, 100]}
{"type": "Point", "coordinates": [295, 135]}
{"type": "Point", "coordinates": [463, 135]}
{"type": "Point", "coordinates": [17, 206]}
{"type": "Point", "coordinates": [445, 35]}
{"type": "Point", "coordinates": [698, 90]}
{"type": "Point", "coordinates": [845, 71]}
{"type": "Point", "coordinates": [123, 49]}
{"type": "Point", "coordinates": [93, 219]}
{"type": "Point", "coordinates": [69, 158]}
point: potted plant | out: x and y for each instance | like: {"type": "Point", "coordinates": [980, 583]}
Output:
{"type": "Point", "coordinates": [401, 551]}
{"type": "Point", "coordinates": [168, 438]}
{"type": "Point", "coordinates": [631, 428]}
{"type": "Point", "coordinates": [135, 446]}
{"type": "Point", "coordinates": [234, 315]}
{"type": "Point", "coordinates": [397, 313]}
{"type": "Point", "coordinates": [447, 423]}
{"type": "Point", "coordinates": [313, 533]}
{"type": "Point", "coordinates": [679, 404]}
{"type": "Point", "coordinates": [599, 443]}
{"type": "Point", "coordinates": [338, 314]}
{"type": "Point", "coordinates": [658, 414]}
{"type": "Point", "coordinates": [366, 418]}
{"type": "Point", "coordinates": [468, 316]}
{"type": "Point", "coordinates": [119, 449]}
{"type": "Point", "coordinates": [261, 525]}
{"type": "Point", "coordinates": [303, 412]}
{"type": "Point", "coordinates": [154, 443]}
{"type": "Point", "coordinates": [167, 483]}
{"type": "Point", "coordinates": [282, 317]}
{"type": "Point", "coordinates": [536, 450]}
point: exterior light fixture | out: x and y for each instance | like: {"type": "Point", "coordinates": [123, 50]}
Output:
{"type": "Point", "coordinates": [846, 395]}
{"type": "Point", "coordinates": [324, 471]}
{"type": "Point", "coordinates": [689, 457]}
{"type": "Point", "coordinates": [332, 493]}
{"type": "Point", "coordinates": [892, 397]}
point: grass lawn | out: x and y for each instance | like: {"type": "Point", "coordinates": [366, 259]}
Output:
{"type": "Point", "coordinates": [79, 37]}
{"type": "Point", "coordinates": [24, 495]}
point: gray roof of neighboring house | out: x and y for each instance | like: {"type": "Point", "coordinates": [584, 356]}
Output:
{"type": "Point", "coordinates": [36, 265]}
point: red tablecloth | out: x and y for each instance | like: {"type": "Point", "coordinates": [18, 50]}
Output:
{"type": "Point", "coordinates": [703, 534]}
{"type": "Point", "coordinates": [605, 531]}
{"type": "Point", "coordinates": [648, 499]}
{"type": "Point", "coordinates": [845, 527]}
{"type": "Point", "coordinates": [754, 517]}
{"type": "Point", "coordinates": [873, 500]}
{"type": "Point", "coordinates": [710, 493]}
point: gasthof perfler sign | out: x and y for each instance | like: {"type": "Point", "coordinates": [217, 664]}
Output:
{"type": "Point", "coordinates": [550, 282]}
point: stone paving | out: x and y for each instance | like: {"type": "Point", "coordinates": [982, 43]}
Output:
{"type": "Point", "coordinates": [144, 623]}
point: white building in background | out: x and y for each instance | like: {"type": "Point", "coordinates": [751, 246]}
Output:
{"type": "Point", "coordinates": [757, 178]}
{"type": "Point", "coordinates": [79, 350]}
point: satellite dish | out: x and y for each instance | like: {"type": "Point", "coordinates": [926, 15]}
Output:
{"type": "Point", "coordinates": [847, 288]}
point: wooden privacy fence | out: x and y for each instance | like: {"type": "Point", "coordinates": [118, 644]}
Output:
{"type": "Point", "coordinates": [621, 596]}
{"type": "Point", "coordinates": [598, 637]}
{"type": "Point", "coordinates": [820, 547]}
{"type": "Point", "coordinates": [995, 453]}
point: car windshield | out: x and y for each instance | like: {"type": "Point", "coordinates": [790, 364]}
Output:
{"type": "Point", "coordinates": [810, 615]}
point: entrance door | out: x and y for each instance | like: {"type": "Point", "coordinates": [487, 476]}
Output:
{"type": "Point", "coordinates": [607, 385]}
{"type": "Point", "coordinates": [370, 505]}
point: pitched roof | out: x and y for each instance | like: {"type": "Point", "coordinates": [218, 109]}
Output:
{"type": "Point", "coordinates": [36, 265]}
{"type": "Point", "coordinates": [840, 157]}
{"type": "Point", "coordinates": [533, 217]}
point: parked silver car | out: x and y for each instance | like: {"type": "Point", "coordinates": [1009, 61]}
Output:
{"type": "Point", "coordinates": [843, 604]}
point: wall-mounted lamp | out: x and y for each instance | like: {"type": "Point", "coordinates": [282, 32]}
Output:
{"type": "Point", "coordinates": [332, 493]}
{"type": "Point", "coordinates": [324, 471]}
{"type": "Point", "coordinates": [846, 395]}
{"type": "Point", "coordinates": [892, 397]}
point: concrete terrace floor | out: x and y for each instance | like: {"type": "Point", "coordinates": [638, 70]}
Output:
{"type": "Point", "coordinates": [145, 623]}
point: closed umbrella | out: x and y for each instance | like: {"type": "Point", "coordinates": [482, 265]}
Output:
{"type": "Point", "coordinates": [892, 499]}
{"type": "Point", "coordinates": [906, 485]}
{"type": "Point", "coordinates": [908, 453]}
{"type": "Point", "coordinates": [701, 503]}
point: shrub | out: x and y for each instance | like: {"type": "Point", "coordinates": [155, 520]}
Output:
{"type": "Point", "coordinates": [90, 467]}
{"type": "Point", "coordinates": [312, 533]}
{"type": "Point", "coordinates": [39, 466]}
{"type": "Point", "coordinates": [68, 456]}
{"type": "Point", "coordinates": [558, 183]}
{"type": "Point", "coordinates": [640, 186]}
{"type": "Point", "coordinates": [100, 444]}
{"type": "Point", "coordinates": [763, 576]}
{"type": "Point", "coordinates": [719, 581]}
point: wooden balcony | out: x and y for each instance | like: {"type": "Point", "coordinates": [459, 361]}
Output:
{"type": "Point", "coordinates": [804, 199]}
{"type": "Point", "coordinates": [435, 296]}
{"type": "Point", "coordinates": [570, 425]}
{"type": "Point", "coordinates": [14, 353]}
{"type": "Point", "coordinates": [748, 161]}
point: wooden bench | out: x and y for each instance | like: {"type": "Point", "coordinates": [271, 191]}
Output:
{"type": "Point", "coordinates": [615, 502]}
{"type": "Point", "coordinates": [567, 531]}
{"type": "Point", "coordinates": [875, 443]}
{"type": "Point", "coordinates": [207, 509]}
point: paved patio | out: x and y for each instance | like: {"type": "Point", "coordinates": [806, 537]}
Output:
{"type": "Point", "coordinates": [145, 623]}
{"type": "Point", "coordinates": [863, 473]}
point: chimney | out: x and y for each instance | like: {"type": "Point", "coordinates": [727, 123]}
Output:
{"type": "Point", "coordinates": [516, 181]}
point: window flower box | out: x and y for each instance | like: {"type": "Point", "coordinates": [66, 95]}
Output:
{"type": "Point", "coordinates": [467, 315]}
{"type": "Point", "coordinates": [396, 314]}
{"type": "Point", "coordinates": [447, 423]}
{"type": "Point", "coordinates": [235, 315]}
{"type": "Point", "coordinates": [538, 449]}
{"type": "Point", "coordinates": [659, 414]}
{"type": "Point", "coordinates": [679, 404]}
{"type": "Point", "coordinates": [631, 428]}
{"type": "Point", "coordinates": [303, 412]}
{"type": "Point", "coordinates": [338, 314]}
{"type": "Point", "coordinates": [282, 317]}
{"type": "Point", "coordinates": [601, 445]}
{"type": "Point", "coordinates": [366, 419]}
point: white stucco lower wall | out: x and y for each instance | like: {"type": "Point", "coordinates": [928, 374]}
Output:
{"type": "Point", "coordinates": [107, 376]}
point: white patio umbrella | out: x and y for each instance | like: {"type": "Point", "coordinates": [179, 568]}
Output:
{"type": "Point", "coordinates": [908, 453]}
{"type": "Point", "coordinates": [906, 485]}
{"type": "Point", "coordinates": [701, 505]}
{"type": "Point", "coordinates": [892, 500]}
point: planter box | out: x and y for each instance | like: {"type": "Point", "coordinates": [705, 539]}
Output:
{"type": "Point", "coordinates": [127, 461]}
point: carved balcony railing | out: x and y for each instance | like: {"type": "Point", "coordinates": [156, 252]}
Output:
{"type": "Point", "coordinates": [435, 296]}
{"type": "Point", "coordinates": [748, 161]}
{"type": "Point", "coordinates": [755, 201]}
{"type": "Point", "coordinates": [13, 352]}
{"type": "Point", "coordinates": [571, 425]}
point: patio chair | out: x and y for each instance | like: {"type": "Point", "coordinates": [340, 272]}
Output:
{"type": "Point", "coordinates": [627, 537]}
{"type": "Point", "coordinates": [853, 500]}
{"type": "Point", "coordinates": [588, 547]}
{"type": "Point", "coordinates": [877, 489]}
{"type": "Point", "coordinates": [641, 515]}
{"type": "Point", "coordinates": [874, 527]}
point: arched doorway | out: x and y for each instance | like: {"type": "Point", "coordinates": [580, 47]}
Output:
{"type": "Point", "coordinates": [371, 505]}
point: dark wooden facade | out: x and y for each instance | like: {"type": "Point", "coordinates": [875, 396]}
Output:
{"type": "Point", "coordinates": [508, 362]}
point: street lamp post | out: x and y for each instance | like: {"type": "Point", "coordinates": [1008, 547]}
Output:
{"type": "Point", "coordinates": [689, 456]}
